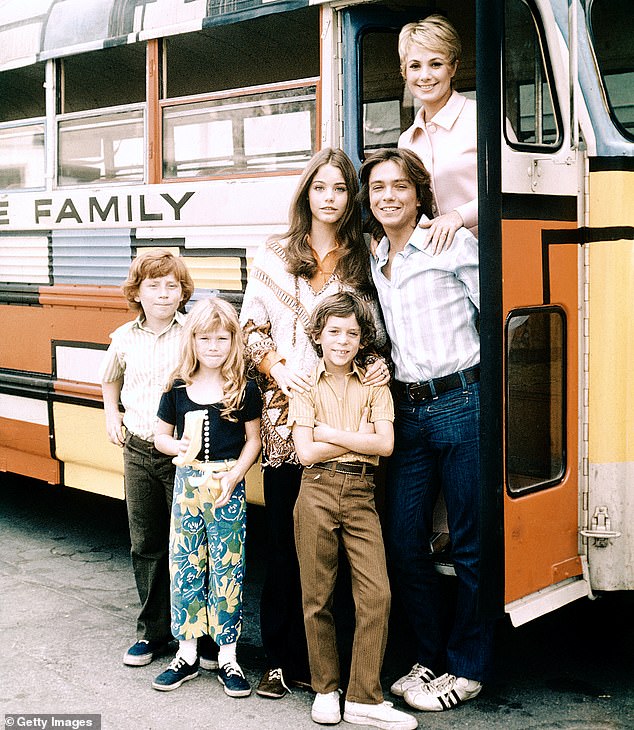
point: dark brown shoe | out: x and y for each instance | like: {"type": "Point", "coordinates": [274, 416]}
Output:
{"type": "Point", "coordinates": [272, 685]}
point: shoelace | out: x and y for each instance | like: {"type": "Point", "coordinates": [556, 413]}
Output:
{"type": "Point", "coordinates": [177, 663]}
{"type": "Point", "coordinates": [444, 683]}
{"type": "Point", "coordinates": [416, 671]}
{"type": "Point", "coordinates": [277, 674]}
{"type": "Point", "coordinates": [231, 669]}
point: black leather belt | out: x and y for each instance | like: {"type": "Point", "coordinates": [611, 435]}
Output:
{"type": "Point", "coordinates": [346, 467]}
{"type": "Point", "coordinates": [423, 391]}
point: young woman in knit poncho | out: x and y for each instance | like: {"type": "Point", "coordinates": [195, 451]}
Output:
{"type": "Point", "coordinates": [321, 253]}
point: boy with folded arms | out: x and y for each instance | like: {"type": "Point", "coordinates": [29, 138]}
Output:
{"type": "Point", "coordinates": [340, 428]}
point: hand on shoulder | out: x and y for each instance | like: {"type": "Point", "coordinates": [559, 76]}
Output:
{"type": "Point", "coordinates": [441, 231]}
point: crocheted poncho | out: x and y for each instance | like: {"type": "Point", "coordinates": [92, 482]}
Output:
{"type": "Point", "coordinates": [275, 313]}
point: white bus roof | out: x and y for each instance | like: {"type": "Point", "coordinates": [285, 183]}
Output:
{"type": "Point", "coordinates": [41, 29]}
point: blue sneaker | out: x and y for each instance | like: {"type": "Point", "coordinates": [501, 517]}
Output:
{"type": "Point", "coordinates": [179, 671]}
{"type": "Point", "coordinates": [233, 680]}
{"type": "Point", "coordinates": [208, 653]}
{"type": "Point", "coordinates": [144, 652]}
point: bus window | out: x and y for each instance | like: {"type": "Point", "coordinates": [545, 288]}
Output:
{"type": "Point", "coordinates": [263, 132]}
{"type": "Point", "coordinates": [612, 28]}
{"type": "Point", "coordinates": [385, 110]}
{"type": "Point", "coordinates": [535, 404]}
{"type": "Point", "coordinates": [22, 94]}
{"type": "Point", "coordinates": [265, 50]}
{"type": "Point", "coordinates": [529, 103]}
{"type": "Point", "coordinates": [22, 112]}
{"type": "Point", "coordinates": [255, 85]}
{"type": "Point", "coordinates": [101, 120]}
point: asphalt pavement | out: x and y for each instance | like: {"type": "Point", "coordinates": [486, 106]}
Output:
{"type": "Point", "coordinates": [68, 608]}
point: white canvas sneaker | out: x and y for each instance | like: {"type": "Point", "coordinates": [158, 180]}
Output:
{"type": "Point", "coordinates": [383, 716]}
{"type": "Point", "coordinates": [418, 674]}
{"type": "Point", "coordinates": [326, 709]}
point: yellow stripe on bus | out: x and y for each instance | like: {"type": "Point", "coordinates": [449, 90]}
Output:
{"type": "Point", "coordinates": [610, 337]}
{"type": "Point", "coordinates": [611, 196]}
{"type": "Point", "coordinates": [219, 272]}
{"type": "Point", "coordinates": [91, 462]}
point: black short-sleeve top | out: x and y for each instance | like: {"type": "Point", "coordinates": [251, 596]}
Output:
{"type": "Point", "coordinates": [226, 438]}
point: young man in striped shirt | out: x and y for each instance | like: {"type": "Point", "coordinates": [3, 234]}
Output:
{"type": "Point", "coordinates": [340, 428]}
{"type": "Point", "coordinates": [430, 305]}
{"type": "Point", "coordinates": [141, 356]}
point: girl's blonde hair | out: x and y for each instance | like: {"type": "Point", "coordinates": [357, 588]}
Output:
{"type": "Point", "coordinates": [434, 33]}
{"type": "Point", "coordinates": [208, 315]}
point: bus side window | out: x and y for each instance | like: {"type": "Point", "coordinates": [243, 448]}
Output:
{"type": "Point", "coordinates": [385, 110]}
{"type": "Point", "coordinates": [22, 128]}
{"type": "Point", "coordinates": [101, 121]}
{"type": "Point", "coordinates": [529, 103]}
{"type": "Point", "coordinates": [535, 402]}
{"type": "Point", "coordinates": [612, 25]}
{"type": "Point", "coordinates": [242, 97]}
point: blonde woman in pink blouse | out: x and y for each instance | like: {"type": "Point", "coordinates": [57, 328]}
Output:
{"type": "Point", "coordinates": [444, 132]}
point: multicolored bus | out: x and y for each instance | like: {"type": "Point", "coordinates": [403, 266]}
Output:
{"type": "Point", "coordinates": [127, 124]}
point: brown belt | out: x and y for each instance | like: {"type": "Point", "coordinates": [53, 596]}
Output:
{"type": "Point", "coordinates": [346, 467]}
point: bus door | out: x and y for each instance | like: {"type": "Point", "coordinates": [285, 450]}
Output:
{"type": "Point", "coordinates": [542, 308]}
{"type": "Point", "coordinates": [531, 560]}
{"type": "Point", "coordinates": [377, 107]}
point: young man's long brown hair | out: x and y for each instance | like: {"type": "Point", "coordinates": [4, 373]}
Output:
{"type": "Point", "coordinates": [414, 170]}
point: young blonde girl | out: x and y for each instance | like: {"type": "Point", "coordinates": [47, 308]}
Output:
{"type": "Point", "coordinates": [209, 508]}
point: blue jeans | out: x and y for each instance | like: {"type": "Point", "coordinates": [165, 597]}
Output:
{"type": "Point", "coordinates": [437, 446]}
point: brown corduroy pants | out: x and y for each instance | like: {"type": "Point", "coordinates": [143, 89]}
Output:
{"type": "Point", "coordinates": [338, 509]}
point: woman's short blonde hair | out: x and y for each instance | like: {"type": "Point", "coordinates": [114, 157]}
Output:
{"type": "Point", "coordinates": [434, 33]}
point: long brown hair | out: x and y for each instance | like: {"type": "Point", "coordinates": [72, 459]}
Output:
{"type": "Point", "coordinates": [353, 264]}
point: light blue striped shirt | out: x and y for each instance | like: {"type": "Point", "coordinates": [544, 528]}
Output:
{"type": "Point", "coordinates": [430, 306]}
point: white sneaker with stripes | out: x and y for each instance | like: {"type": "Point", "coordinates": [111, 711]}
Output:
{"type": "Point", "coordinates": [418, 674]}
{"type": "Point", "coordinates": [443, 693]}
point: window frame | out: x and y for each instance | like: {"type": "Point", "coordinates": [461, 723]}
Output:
{"type": "Point", "coordinates": [236, 94]}
{"type": "Point", "coordinates": [623, 130]}
{"type": "Point", "coordinates": [559, 478]}
{"type": "Point", "coordinates": [549, 79]}
{"type": "Point", "coordinates": [73, 116]}
{"type": "Point", "coordinates": [28, 123]}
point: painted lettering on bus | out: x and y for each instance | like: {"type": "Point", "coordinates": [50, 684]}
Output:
{"type": "Point", "coordinates": [4, 212]}
{"type": "Point", "coordinates": [132, 207]}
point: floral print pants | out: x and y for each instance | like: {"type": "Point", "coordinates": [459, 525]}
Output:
{"type": "Point", "coordinates": [206, 559]}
